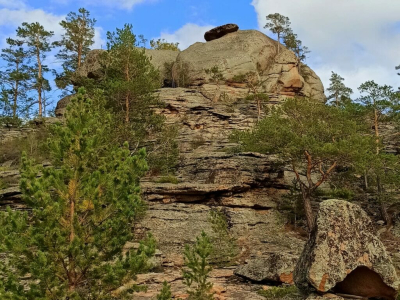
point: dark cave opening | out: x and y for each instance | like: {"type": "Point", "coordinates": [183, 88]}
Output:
{"type": "Point", "coordinates": [364, 282]}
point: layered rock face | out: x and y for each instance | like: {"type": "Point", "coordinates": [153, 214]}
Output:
{"type": "Point", "coordinates": [246, 185]}
{"type": "Point", "coordinates": [343, 254]}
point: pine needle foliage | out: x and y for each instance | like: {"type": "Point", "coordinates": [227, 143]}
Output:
{"type": "Point", "coordinates": [165, 293]}
{"type": "Point", "coordinates": [198, 269]}
{"type": "Point", "coordinates": [313, 138]}
{"type": "Point", "coordinates": [70, 246]}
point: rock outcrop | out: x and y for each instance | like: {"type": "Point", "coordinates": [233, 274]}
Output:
{"type": "Point", "coordinates": [62, 105]}
{"type": "Point", "coordinates": [247, 51]}
{"type": "Point", "coordinates": [343, 254]}
{"type": "Point", "coordinates": [276, 267]}
{"type": "Point", "coordinates": [220, 31]}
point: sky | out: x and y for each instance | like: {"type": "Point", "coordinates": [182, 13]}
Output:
{"type": "Point", "coordinates": [358, 39]}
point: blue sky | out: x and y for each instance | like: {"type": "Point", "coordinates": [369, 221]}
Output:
{"type": "Point", "coordinates": [359, 39]}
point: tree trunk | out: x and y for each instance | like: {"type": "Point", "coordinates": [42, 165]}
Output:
{"type": "Point", "coordinates": [16, 93]}
{"type": "Point", "coordinates": [127, 93]}
{"type": "Point", "coordinates": [39, 79]}
{"type": "Point", "coordinates": [308, 209]}
{"type": "Point", "coordinates": [279, 41]}
{"type": "Point", "coordinates": [384, 213]}
{"type": "Point", "coordinates": [383, 208]}
{"type": "Point", "coordinates": [79, 55]}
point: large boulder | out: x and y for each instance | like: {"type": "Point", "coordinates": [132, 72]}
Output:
{"type": "Point", "coordinates": [249, 51]}
{"type": "Point", "coordinates": [277, 267]}
{"type": "Point", "coordinates": [344, 255]}
{"type": "Point", "coordinates": [220, 31]}
{"type": "Point", "coordinates": [62, 105]}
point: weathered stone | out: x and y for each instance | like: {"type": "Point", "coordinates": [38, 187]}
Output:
{"type": "Point", "coordinates": [342, 242]}
{"type": "Point", "coordinates": [277, 267]}
{"type": "Point", "coordinates": [220, 31]}
{"type": "Point", "coordinates": [91, 68]}
{"type": "Point", "coordinates": [247, 51]}
{"type": "Point", "coordinates": [62, 105]}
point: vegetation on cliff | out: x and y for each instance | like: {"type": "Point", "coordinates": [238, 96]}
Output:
{"type": "Point", "coordinates": [82, 210]}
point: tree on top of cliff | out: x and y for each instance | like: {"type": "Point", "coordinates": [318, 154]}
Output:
{"type": "Point", "coordinates": [130, 77]}
{"type": "Point", "coordinates": [312, 137]}
{"type": "Point", "coordinates": [162, 44]}
{"type": "Point", "coordinates": [38, 41]}
{"type": "Point", "coordinates": [382, 104]}
{"type": "Point", "coordinates": [14, 99]}
{"type": "Point", "coordinates": [294, 44]}
{"type": "Point", "coordinates": [278, 24]}
{"type": "Point", "coordinates": [82, 210]}
{"type": "Point", "coordinates": [75, 44]}
{"type": "Point", "coordinates": [338, 91]}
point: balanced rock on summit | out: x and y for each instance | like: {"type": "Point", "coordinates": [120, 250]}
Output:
{"type": "Point", "coordinates": [249, 51]}
{"type": "Point", "coordinates": [220, 31]}
{"type": "Point", "coordinates": [345, 256]}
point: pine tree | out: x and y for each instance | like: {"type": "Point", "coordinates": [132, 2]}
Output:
{"type": "Point", "coordinates": [294, 44]}
{"type": "Point", "coordinates": [310, 136]}
{"type": "Point", "coordinates": [198, 269]}
{"type": "Point", "coordinates": [130, 80]}
{"type": "Point", "coordinates": [82, 210]}
{"type": "Point", "coordinates": [165, 293]}
{"type": "Point", "coordinates": [15, 79]}
{"type": "Point", "coordinates": [37, 39]}
{"type": "Point", "coordinates": [338, 90]}
{"type": "Point", "coordinates": [75, 44]}
{"type": "Point", "coordinates": [382, 104]}
{"type": "Point", "coordinates": [279, 25]}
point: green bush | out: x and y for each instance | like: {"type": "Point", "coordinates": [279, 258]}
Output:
{"type": "Point", "coordinates": [168, 179]}
{"type": "Point", "coordinates": [165, 293]}
{"type": "Point", "coordinates": [240, 78]}
{"type": "Point", "coordinates": [197, 269]}
{"type": "Point", "coordinates": [281, 292]}
{"type": "Point", "coordinates": [34, 144]}
{"type": "Point", "coordinates": [225, 247]}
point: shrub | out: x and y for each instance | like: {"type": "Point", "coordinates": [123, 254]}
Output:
{"type": "Point", "coordinates": [165, 293]}
{"type": "Point", "coordinates": [168, 179]}
{"type": "Point", "coordinates": [34, 144]}
{"type": "Point", "coordinates": [198, 269]}
{"type": "Point", "coordinates": [225, 247]}
{"type": "Point", "coordinates": [281, 292]}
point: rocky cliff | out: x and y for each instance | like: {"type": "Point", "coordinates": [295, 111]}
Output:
{"type": "Point", "coordinates": [245, 186]}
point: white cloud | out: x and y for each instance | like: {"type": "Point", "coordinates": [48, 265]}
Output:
{"type": "Point", "coordinates": [357, 39]}
{"type": "Point", "coordinates": [12, 4]}
{"type": "Point", "coordinates": [12, 18]}
{"type": "Point", "coordinates": [187, 35]}
{"type": "Point", "coordinates": [121, 4]}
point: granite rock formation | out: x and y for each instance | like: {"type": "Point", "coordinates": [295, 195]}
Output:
{"type": "Point", "coordinates": [344, 254]}
{"type": "Point", "coordinates": [276, 267]}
